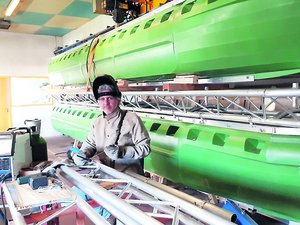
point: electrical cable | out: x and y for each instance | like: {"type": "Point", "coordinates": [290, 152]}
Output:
{"type": "Point", "coordinates": [90, 62]}
{"type": "Point", "coordinates": [115, 5]}
{"type": "Point", "coordinates": [60, 153]}
{"type": "Point", "coordinates": [3, 205]}
{"type": "Point", "coordinates": [4, 215]}
{"type": "Point", "coordinates": [4, 177]}
{"type": "Point", "coordinates": [88, 54]}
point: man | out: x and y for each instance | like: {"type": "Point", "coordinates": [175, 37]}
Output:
{"type": "Point", "coordinates": [118, 137]}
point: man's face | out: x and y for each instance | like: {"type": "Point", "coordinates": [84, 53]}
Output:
{"type": "Point", "coordinates": [108, 103]}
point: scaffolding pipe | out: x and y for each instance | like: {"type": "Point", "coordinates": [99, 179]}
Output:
{"type": "Point", "coordinates": [278, 92]}
{"type": "Point", "coordinates": [196, 212]}
{"type": "Point", "coordinates": [295, 99]}
{"type": "Point", "coordinates": [116, 206]}
{"type": "Point", "coordinates": [16, 216]}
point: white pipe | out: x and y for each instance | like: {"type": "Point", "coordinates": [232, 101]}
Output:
{"type": "Point", "coordinates": [278, 92]}
{"type": "Point", "coordinates": [295, 99]}
{"type": "Point", "coordinates": [16, 216]}
{"type": "Point", "coordinates": [56, 214]}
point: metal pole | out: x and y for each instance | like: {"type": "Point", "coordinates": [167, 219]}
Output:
{"type": "Point", "coordinates": [118, 207]}
{"type": "Point", "coordinates": [295, 99]}
{"type": "Point", "coordinates": [16, 216]}
{"type": "Point", "coordinates": [279, 92]}
{"type": "Point", "coordinates": [56, 214]}
{"type": "Point", "coordinates": [185, 206]}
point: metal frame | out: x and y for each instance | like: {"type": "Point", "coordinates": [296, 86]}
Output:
{"type": "Point", "coordinates": [18, 218]}
{"type": "Point", "coordinates": [261, 110]}
{"type": "Point", "coordinates": [164, 204]}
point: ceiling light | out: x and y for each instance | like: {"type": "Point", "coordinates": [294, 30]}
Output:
{"type": "Point", "coordinates": [11, 7]}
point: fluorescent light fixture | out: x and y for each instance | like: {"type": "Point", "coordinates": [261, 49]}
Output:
{"type": "Point", "coordinates": [11, 7]}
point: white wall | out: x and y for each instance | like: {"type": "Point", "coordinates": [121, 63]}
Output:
{"type": "Point", "coordinates": [28, 55]}
{"type": "Point", "coordinates": [25, 54]}
{"type": "Point", "coordinates": [20, 114]}
{"type": "Point", "coordinates": [92, 27]}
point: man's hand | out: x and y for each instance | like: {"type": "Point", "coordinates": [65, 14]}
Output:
{"type": "Point", "coordinates": [113, 152]}
{"type": "Point", "coordinates": [80, 159]}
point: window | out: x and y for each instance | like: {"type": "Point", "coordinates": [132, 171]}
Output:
{"type": "Point", "coordinates": [155, 127]}
{"type": "Point", "coordinates": [92, 115]}
{"type": "Point", "coordinates": [29, 91]}
{"type": "Point", "coordinates": [134, 29]}
{"type": "Point", "coordinates": [187, 8]}
{"type": "Point", "coordinates": [122, 34]}
{"type": "Point", "coordinates": [172, 130]}
{"type": "Point", "coordinates": [166, 16]}
{"type": "Point", "coordinates": [193, 134]}
{"type": "Point", "coordinates": [219, 139]}
{"type": "Point", "coordinates": [148, 24]}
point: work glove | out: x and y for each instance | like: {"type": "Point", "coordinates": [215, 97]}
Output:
{"type": "Point", "coordinates": [113, 152]}
{"type": "Point", "coordinates": [80, 159]}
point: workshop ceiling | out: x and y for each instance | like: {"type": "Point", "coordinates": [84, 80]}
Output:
{"type": "Point", "coordinates": [48, 17]}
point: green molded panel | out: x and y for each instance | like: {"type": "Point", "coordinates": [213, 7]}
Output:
{"type": "Point", "coordinates": [71, 66]}
{"type": "Point", "coordinates": [257, 168]}
{"type": "Point", "coordinates": [72, 121]}
{"type": "Point", "coordinates": [220, 38]}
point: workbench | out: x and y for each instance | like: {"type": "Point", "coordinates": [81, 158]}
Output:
{"type": "Point", "coordinates": [23, 201]}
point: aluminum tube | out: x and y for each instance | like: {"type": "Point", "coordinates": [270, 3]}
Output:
{"type": "Point", "coordinates": [223, 117]}
{"type": "Point", "coordinates": [118, 207]}
{"type": "Point", "coordinates": [182, 217]}
{"type": "Point", "coordinates": [195, 201]}
{"type": "Point", "coordinates": [55, 214]}
{"type": "Point", "coordinates": [280, 92]}
{"type": "Point", "coordinates": [90, 212]}
{"type": "Point", "coordinates": [16, 216]}
{"type": "Point", "coordinates": [295, 99]}
{"type": "Point", "coordinates": [195, 118]}
{"type": "Point", "coordinates": [185, 206]}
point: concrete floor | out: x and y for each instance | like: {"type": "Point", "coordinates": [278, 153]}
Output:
{"type": "Point", "coordinates": [58, 147]}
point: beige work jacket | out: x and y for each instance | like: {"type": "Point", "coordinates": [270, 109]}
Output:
{"type": "Point", "coordinates": [134, 139]}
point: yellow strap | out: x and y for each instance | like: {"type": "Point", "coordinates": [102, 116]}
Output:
{"type": "Point", "coordinates": [90, 62]}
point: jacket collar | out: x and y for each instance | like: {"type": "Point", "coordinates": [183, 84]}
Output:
{"type": "Point", "coordinates": [114, 114]}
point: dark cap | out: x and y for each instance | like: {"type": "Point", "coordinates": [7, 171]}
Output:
{"type": "Point", "coordinates": [106, 80]}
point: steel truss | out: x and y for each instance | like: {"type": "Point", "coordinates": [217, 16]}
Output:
{"type": "Point", "coordinates": [261, 110]}
{"type": "Point", "coordinates": [133, 201]}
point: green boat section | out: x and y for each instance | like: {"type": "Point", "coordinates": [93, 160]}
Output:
{"type": "Point", "coordinates": [203, 37]}
{"type": "Point", "coordinates": [256, 168]}
{"type": "Point", "coordinates": [210, 38]}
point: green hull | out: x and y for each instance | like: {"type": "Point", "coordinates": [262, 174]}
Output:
{"type": "Point", "coordinates": [204, 37]}
{"type": "Point", "coordinates": [256, 168]}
